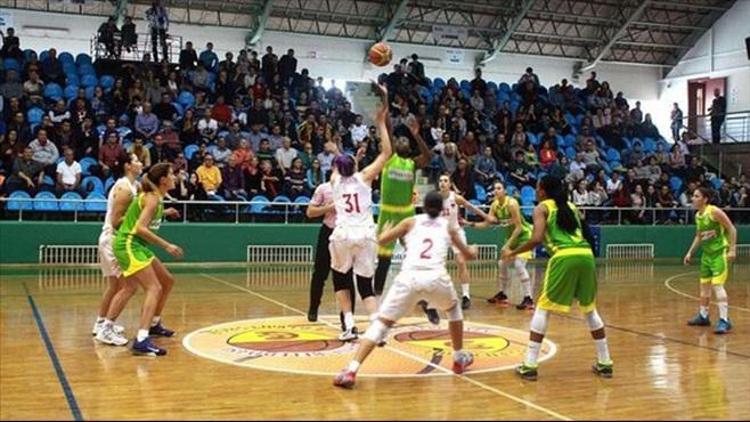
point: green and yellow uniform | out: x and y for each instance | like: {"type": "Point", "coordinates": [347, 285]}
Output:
{"type": "Point", "coordinates": [571, 270]}
{"type": "Point", "coordinates": [714, 243]}
{"type": "Point", "coordinates": [501, 211]}
{"type": "Point", "coordinates": [396, 190]}
{"type": "Point", "coordinates": [131, 251]}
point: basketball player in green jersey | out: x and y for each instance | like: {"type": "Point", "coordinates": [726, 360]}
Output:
{"type": "Point", "coordinates": [570, 275]}
{"type": "Point", "coordinates": [506, 213]}
{"type": "Point", "coordinates": [717, 237]}
{"type": "Point", "coordinates": [396, 193]}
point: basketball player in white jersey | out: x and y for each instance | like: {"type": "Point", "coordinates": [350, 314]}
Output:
{"type": "Point", "coordinates": [118, 200]}
{"type": "Point", "coordinates": [451, 204]}
{"type": "Point", "coordinates": [353, 243]}
{"type": "Point", "coordinates": [423, 277]}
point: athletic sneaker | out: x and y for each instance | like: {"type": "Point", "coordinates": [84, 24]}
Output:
{"type": "Point", "coordinates": [160, 331]}
{"type": "Point", "coordinates": [461, 361]}
{"type": "Point", "coordinates": [109, 336]}
{"type": "Point", "coordinates": [700, 321]}
{"type": "Point", "coordinates": [146, 348]}
{"type": "Point", "coordinates": [312, 315]}
{"type": "Point", "coordinates": [604, 370]}
{"type": "Point", "coordinates": [527, 372]}
{"type": "Point", "coordinates": [119, 329]}
{"type": "Point", "coordinates": [465, 303]}
{"type": "Point", "coordinates": [723, 326]}
{"type": "Point", "coordinates": [499, 296]}
{"type": "Point", "coordinates": [345, 379]}
{"type": "Point", "coordinates": [432, 314]}
{"type": "Point", "coordinates": [526, 304]}
{"type": "Point", "coordinates": [348, 335]}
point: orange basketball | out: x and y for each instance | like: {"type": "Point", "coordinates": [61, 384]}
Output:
{"type": "Point", "coordinates": [380, 54]}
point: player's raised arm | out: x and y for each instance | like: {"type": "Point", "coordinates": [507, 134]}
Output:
{"type": "Point", "coordinates": [372, 171]}
{"type": "Point", "coordinates": [391, 233]}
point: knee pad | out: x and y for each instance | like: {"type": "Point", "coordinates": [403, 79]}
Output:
{"type": "Point", "coordinates": [364, 285]}
{"type": "Point", "coordinates": [376, 332]}
{"type": "Point", "coordinates": [594, 321]}
{"type": "Point", "coordinates": [539, 321]}
{"type": "Point", "coordinates": [720, 292]}
{"type": "Point", "coordinates": [455, 313]}
{"type": "Point", "coordinates": [341, 281]}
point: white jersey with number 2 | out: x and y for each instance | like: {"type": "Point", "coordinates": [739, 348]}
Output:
{"type": "Point", "coordinates": [427, 244]}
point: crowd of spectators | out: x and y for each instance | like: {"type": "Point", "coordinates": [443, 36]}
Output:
{"type": "Point", "coordinates": [257, 124]}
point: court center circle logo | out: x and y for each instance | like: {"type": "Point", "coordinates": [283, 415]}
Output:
{"type": "Point", "coordinates": [414, 347]}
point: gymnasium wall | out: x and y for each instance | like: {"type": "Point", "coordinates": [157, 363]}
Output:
{"type": "Point", "coordinates": [215, 242]}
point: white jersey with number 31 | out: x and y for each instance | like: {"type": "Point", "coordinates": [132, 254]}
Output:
{"type": "Point", "coordinates": [353, 200]}
{"type": "Point", "coordinates": [427, 244]}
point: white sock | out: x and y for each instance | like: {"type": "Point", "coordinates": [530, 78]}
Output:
{"type": "Point", "coordinates": [704, 311]}
{"type": "Point", "coordinates": [108, 322]}
{"type": "Point", "coordinates": [155, 321]}
{"type": "Point", "coordinates": [723, 310]}
{"type": "Point", "coordinates": [602, 350]}
{"type": "Point", "coordinates": [348, 320]}
{"type": "Point", "coordinates": [100, 319]}
{"type": "Point", "coordinates": [142, 335]}
{"type": "Point", "coordinates": [465, 289]}
{"type": "Point", "coordinates": [353, 366]}
{"type": "Point", "coordinates": [532, 353]}
{"type": "Point", "coordinates": [526, 287]}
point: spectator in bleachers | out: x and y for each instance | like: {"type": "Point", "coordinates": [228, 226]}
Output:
{"type": "Point", "coordinates": [271, 179]}
{"type": "Point", "coordinates": [188, 58]}
{"type": "Point", "coordinates": [12, 87]}
{"type": "Point", "coordinates": [636, 115]}
{"type": "Point", "coordinates": [33, 89]}
{"type": "Point", "coordinates": [164, 110]}
{"type": "Point", "coordinates": [287, 67]}
{"type": "Point", "coordinates": [68, 174]}
{"type": "Point", "coordinates": [519, 170]}
{"type": "Point", "coordinates": [315, 175]}
{"type": "Point", "coordinates": [269, 65]}
{"type": "Point", "coordinates": [326, 160]}
{"type": "Point", "coordinates": [64, 137]}
{"type": "Point", "coordinates": [129, 36]}
{"type": "Point", "coordinates": [718, 112]}
{"type": "Point", "coordinates": [52, 70]}
{"type": "Point", "coordinates": [141, 151]}
{"type": "Point", "coordinates": [580, 195]}
{"type": "Point", "coordinates": [110, 154]}
{"type": "Point", "coordinates": [27, 174]}
{"type": "Point", "coordinates": [158, 22]}
{"type": "Point", "coordinates": [265, 153]}
{"type": "Point", "coordinates": [228, 65]}
{"type": "Point", "coordinates": [463, 179]}
{"type": "Point", "coordinates": [11, 45]}
{"type": "Point", "coordinates": [45, 153]}
{"type": "Point", "coordinates": [285, 155]}
{"type": "Point", "coordinates": [296, 180]}
{"type": "Point", "coordinates": [485, 167]}
{"type": "Point", "coordinates": [478, 84]}
{"type": "Point", "coordinates": [208, 127]}
{"type": "Point", "coordinates": [60, 113]}
{"type": "Point", "coordinates": [146, 122]}
{"type": "Point", "coordinates": [532, 77]}
{"type": "Point", "coordinates": [11, 148]}
{"type": "Point", "coordinates": [233, 180]}
{"type": "Point", "coordinates": [209, 175]}
{"type": "Point", "coordinates": [675, 118]}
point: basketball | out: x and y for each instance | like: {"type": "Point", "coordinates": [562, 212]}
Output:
{"type": "Point", "coordinates": [380, 54]}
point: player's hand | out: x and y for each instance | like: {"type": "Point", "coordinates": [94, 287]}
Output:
{"type": "Point", "coordinates": [687, 259]}
{"type": "Point", "coordinates": [506, 254]}
{"type": "Point", "coordinates": [731, 255]}
{"type": "Point", "coordinates": [174, 250]}
{"type": "Point", "coordinates": [171, 213]}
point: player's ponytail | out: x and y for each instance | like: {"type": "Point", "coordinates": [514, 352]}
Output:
{"type": "Point", "coordinates": [344, 164]}
{"type": "Point", "coordinates": [555, 190]}
{"type": "Point", "coordinates": [706, 193]}
{"type": "Point", "coordinates": [433, 204]}
{"type": "Point", "coordinates": [150, 181]}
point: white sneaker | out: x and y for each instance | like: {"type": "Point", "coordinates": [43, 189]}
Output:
{"type": "Point", "coordinates": [348, 335]}
{"type": "Point", "coordinates": [118, 329]}
{"type": "Point", "coordinates": [109, 336]}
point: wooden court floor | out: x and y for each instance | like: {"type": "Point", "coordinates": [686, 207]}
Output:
{"type": "Point", "coordinates": [51, 368]}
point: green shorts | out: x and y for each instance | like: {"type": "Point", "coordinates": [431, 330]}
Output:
{"type": "Point", "coordinates": [131, 254]}
{"type": "Point", "coordinates": [394, 215]}
{"type": "Point", "coordinates": [571, 274]}
{"type": "Point", "coordinates": [714, 268]}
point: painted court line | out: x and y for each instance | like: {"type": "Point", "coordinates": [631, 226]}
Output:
{"type": "Point", "coordinates": [67, 390]}
{"type": "Point", "coordinates": [689, 296]}
{"type": "Point", "coordinates": [405, 354]}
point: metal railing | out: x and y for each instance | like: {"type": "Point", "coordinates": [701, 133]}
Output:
{"type": "Point", "coordinates": [736, 126]}
{"type": "Point", "coordinates": [290, 212]}
{"type": "Point", "coordinates": [137, 50]}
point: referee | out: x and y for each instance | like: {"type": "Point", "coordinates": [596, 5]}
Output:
{"type": "Point", "coordinates": [321, 204]}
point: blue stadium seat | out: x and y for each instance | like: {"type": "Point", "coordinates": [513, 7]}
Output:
{"type": "Point", "coordinates": [189, 151]}
{"type": "Point", "coordinates": [48, 180]}
{"type": "Point", "coordinates": [533, 139]}
{"type": "Point", "coordinates": [481, 193]}
{"type": "Point", "coordinates": [569, 140]}
{"type": "Point", "coordinates": [92, 184]}
{"type": "Point", "coordinates": [83, 59]}
{"type": "Point", "coordinates": [19, 200]}
{"type": "Point", "coordinates": [70, 69]}
{"type": "Point", "coordinates": [260, 205]}
{"type": "Point", "coordinates": [72, 79]}
{"type": "Point", "coordinates": [107, 82]}
{"type": "Point", "coordinates": [86, 69]}
{"type": "Point", "coordinates": [107, 185]}
{"type": "Point", "coordinates": [45, 201]}
{"type": "Point", "coordinates": [649, 146]}
{"type": "Point", "coordinates": [303, 200]}
{"type": "Point", "coordinates": [675, 183]}
{"type": "Point", "coordinates": [86, 163]}
{"type": "Point", "coordinates": [570, 152]}
{"type": "Point", "coordinates": [65, 58]}
{"type": "Point", "coordinates": [71, 201]}
{"type": "Point", "coordinates": [504, 87]}
{"type": "Point", "coordinates": [477, 204]}
{"type": "Point", "coordinates": [35, 115]}
{"type": "Point", "coordinates": [70, 92]}
{"type": "Point", "coordinates": [511, 189]}
{"type": "Point", "coordinates": [528, 195]}
{"type": "Point", "coordinates": [492, 86]}
{"type": "Point", "coordinates": [95, 202]}
{"type": "Point", "coordinates": [215, 197]}
{"type": "Point", "coordinates": [613, 155]}
{"type": "Point", "coordinates": [53, 91]}
{"type": "Point", "coordinates": [12, 64]}
{"type": "Point", "coordinates": [89, 80]}
{"type": "Point", "coordinates": [716, 183]}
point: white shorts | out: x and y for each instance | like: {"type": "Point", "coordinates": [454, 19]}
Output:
{"type": "Point", "coordinates": [354, 247]}
{"type": "Point", "coordinates": [462, 235]}
{"type": "Point", "coordinates": [107, 260]}
{"type": "Point", "coordinates": [410, 287]}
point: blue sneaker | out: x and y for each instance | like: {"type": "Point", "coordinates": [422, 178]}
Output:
{"type": "Point", "coordinates": [146, 348]}
{"type": "Point", "coordinates": [723, 326]}
{"type": "Point", "coordinates": [700, 321]}
{"type": "Point", "coordinates": [160, 331]}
